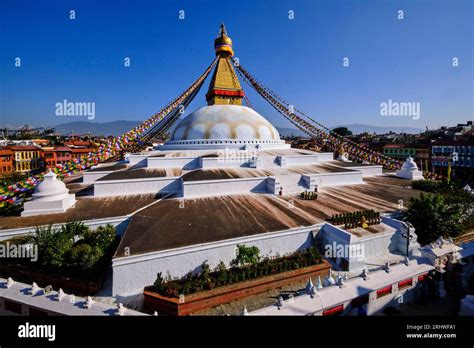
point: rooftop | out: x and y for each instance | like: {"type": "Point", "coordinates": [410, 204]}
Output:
{"type": "Point", "coordinates": [83, 209]}
{"type": "Point", "coordinates": [141, 173]}
{"type": "Point", "coordinates": [165, 225]}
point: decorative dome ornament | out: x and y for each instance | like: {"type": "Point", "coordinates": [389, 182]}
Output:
{"type": "Point", "coordinates": [410, 170]}
{"type": "Point", "coordinates": [51, 196]}
{"type": "Point", "coordinates": [223, 43]}
{"type": "Point", "coordinates": [224, 126]}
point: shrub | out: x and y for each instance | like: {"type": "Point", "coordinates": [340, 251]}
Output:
{"type": "Point", "coordinates": [84, 256]}
{"type": "Point", "coordinates": [246, 255]}
{"type": "Point", "coordinates": [52, 246]}
{"type": "Point", "coordinates": [102, 237]}
{"type": "Point", "coordinates": [432, 218]}
{"type": "Point", "coordinates": [74, 228]}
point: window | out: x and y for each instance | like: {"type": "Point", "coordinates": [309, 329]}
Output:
{"type": "Point", "coordinates": [405, 283]}
{"type": "Point", "coordinates": [384, 291]}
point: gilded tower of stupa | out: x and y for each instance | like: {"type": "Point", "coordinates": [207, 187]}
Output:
{"type": "Point", "coordinates": [224, 88]}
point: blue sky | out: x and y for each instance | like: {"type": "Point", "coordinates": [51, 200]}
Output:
{"type": "Point", "coordinates": [407, 60]}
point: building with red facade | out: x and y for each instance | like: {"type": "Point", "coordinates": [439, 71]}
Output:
{"type": "Point", "coordinates": [6, 161]}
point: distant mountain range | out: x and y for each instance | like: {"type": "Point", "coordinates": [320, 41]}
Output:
{"type": "Point", "coordinates": [114, 128]}
{"type": "Point", "coordinates": [119, 127]}
{"type": "Point", "coordinates": [357, 128]}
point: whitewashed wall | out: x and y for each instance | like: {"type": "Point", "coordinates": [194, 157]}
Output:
{"type": "Point", "coordinates": [131, 274]}
{"type": "Point", "coordinates": [216, 162]}
{"type": "Point", "coordinates": [304, 160]}
{"type": "Point", "coordinates": [134, 159]}
{"type": "Point", "coordinates": [369, 171]}
{"type": "Point", "coordinates": [137, 186]}
{"type": "Point", "coordinates": [206, 188]}
{"type": "Point", "coordinates": [90, 177]}
{"type": "Point", "coordinates": [335, 179]}
{"type": "Point", "coordinates": [325, 156]}
{"type": "Point", "coordinates": [173, 162]}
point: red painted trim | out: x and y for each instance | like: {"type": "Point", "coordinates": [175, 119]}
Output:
{"type": "Point", "coordinates": [405, 283]}
{"type": "Point", "coordinates": [214, 92]}
{"type": "Point", "coordinates": [422, 277]}
{"type": "Point", "coordinates": [334, 310]}
{"type": "Point", "coordinates": [384, 291]}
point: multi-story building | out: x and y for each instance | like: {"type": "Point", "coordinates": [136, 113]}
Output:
{"type": "Point", "coordinates": [399, 151]}
{"type": "Point", "coordinates": [459, 153]}
{"type": "Point", "coordinates": [6, 161]}
{"type": "Point", "coordinates": [26, 158]}
{"type": "Point", "coordinates": [79, 148]}
{"type": "Point", "coordinates": [52, 156]}
{"type": "Point", "coordinates": [421, 153]}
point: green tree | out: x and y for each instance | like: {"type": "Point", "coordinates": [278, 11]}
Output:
{"type": "Point", "coordinates": [74, 228]}
{"type": "Point", "coordinates": [102, 237]}
{"type": "Point", "coordinates": [432, 218]}
{"type": "Point", "coordinates": [246, 256]}
{"type": "Point", "coordinates": [84, 256]}
{"type": "Point", "coordinates": [343, 131]}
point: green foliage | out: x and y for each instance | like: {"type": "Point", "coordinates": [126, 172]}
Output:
{"type": "Point", "coordinates": [246, 255]}
{"type": "Point", "coordinates": [74, 228]}
{"type": "Point", "coordinates": [159, 282]}
{"type": "Point", "coordinates": [222, 276]}
{"type": "Point", "coordinates": [431, 186]}
{"type": "Point", "coordinates": [354, 219]}
{"type": "Point", "coordinates": [52, 245]}
{"type": "Point", "coordinates": [56, 247]}
{"type": "Point", "coordinates": [102, 237]}
{"type": "Point", "coordinates": [432, 217]}
{"type": "Point", "coordinates": [343, 131]}
{"type": "Point", "coordinates": [84, 256]}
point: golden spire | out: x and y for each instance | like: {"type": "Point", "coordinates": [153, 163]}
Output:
{"type": "Point", "coordinates": [223, 43]}
{"type": "Point", "coordinates": [225, 86]}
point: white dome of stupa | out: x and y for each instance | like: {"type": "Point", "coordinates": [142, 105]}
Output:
{"type": "Point", "coordinates": [218, 126]}
{"type": "Point", "coordinates": [219, 122]}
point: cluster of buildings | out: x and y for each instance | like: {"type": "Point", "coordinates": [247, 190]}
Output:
{"type": "Point", "coordinates": [432, 150]}
{"type": "Point", "coordinates": [33, 156]}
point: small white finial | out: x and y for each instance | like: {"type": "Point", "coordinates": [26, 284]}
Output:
{"type": "Point", "coordinates": [319, 286]}
{"type": "Point", "coordinates": [309, 286]}
{"type": "Point", "coordinates": [10, 282]}
{"type": "Point", "coordinates": [365, 273]}
{"type": "Point", "coordinates": [121, 309]}
{"type": "Point", "coordinates": [90, 302]}
{"type": "Point", "coordinates": [155, 313]}
{"type": "Point", "coordinates": [280, 302]}
{"type": "Point", "coordinates": [34, 289]}
{"type": "Point", "coordinates": [60, 295]}
{"type": "Point", "coordinates": [244, 311]}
